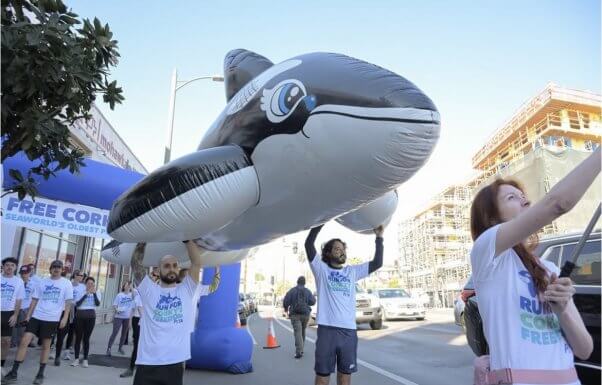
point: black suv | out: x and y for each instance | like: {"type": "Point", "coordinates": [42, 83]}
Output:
{"type": "Point", "coordinates": [586, 279]}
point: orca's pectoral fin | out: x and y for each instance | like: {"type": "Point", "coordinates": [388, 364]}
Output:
{"type": "Point", "coordinates": [370, 216]}
{"type": "Point", "coordinates": [187, 198]}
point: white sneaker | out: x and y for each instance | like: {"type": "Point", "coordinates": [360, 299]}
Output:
{"type": "Point", "coordinates": [66, 356]}
{"type": "Point", "coordinates": [85, 363]}
{"type": "Point", "coordinates": [75, 363]}
{"type": "Point", "coordinates": [51, 356]}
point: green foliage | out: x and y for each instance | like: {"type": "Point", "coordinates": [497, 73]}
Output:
{"type": "Point", "coordinates": [259, 277]}
{"type": "Point", "coordinates": [51, 75]}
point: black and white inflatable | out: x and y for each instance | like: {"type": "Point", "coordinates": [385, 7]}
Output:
{"type": "Point", "coordinates": [317, 137]}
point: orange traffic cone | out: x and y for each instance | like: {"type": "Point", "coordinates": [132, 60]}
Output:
{"type": "Point", "coordinates": [238, 324]}
{"type": "Point", "coordinates": [271, 340]}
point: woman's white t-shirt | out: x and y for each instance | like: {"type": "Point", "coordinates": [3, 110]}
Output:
{"type": "Point", "coordinates": [167, 321]}
{"type": "Point", "coordinates": [88, 303]}
{"type": "Point", "coordinates": [125, 304]}
{"type": "Point", "coordinates": [522, 332]}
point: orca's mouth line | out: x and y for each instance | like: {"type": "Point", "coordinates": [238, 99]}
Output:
{"type": "Point", "coordinates": [383, 119]}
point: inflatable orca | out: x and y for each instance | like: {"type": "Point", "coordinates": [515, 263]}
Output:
{"type": "Point", "coordinates": [316, 137]}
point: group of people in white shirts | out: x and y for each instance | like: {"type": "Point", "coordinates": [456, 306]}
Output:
{"type": "Point", "coordinates": [43, 306]}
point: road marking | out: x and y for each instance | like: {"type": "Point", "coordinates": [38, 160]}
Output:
{"type": "Point", "coordinates": [365, 364]}
{"type": "Point", "coordinates": [249, 329]}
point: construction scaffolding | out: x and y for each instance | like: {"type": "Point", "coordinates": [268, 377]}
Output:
{"type": "Point", "coordinates": [547, 137]}
{"type": "Point", "coordinates": [434, 247]}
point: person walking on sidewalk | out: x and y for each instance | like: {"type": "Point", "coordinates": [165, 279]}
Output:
{"type": "Point", "coordinates": [123, 304]}
{"type": "Point", "coordinates": [85, 320]}
{"type": "Point", "coordinates": [166, 323]}
{"type": "Point", "coordinates": [297, 303]}
{"type": "Point", "coordinates": [12, 295]}
{"type": "Point", "coordinates": [136, 314]}
{"type": "Point", "coordinates": [19, 329]}
{"type": "Point", "coordinates": [337, 335]}
{"type": "Point", "coordinates": [51, 297]}
{"type": "Point", "coordinates": [69, 331]}
{"type": "Point", "coordinates": [530, 321]}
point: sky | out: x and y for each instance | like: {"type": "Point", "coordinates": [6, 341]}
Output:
{"type": "Point", "coordinates": [478, 62]}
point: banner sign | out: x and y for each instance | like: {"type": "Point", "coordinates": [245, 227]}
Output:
{"type": "Point", "coordinates": [45, 214]}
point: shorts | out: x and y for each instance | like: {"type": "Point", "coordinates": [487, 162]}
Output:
{"type": "Point", "coordinates": [336, 346]}
{"type": "Point", "coordinates": [7, 330]}
{"type": "Point", "coordinates": [42, 329]}
{"type": "Point", "coordinates": [159, 374]}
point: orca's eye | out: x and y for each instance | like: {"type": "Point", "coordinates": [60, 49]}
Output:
{"type": "Point", "coordinates": [281, 101]}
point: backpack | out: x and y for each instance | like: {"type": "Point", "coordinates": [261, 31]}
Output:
{"type": "Point", "coordinates": [300, 305]}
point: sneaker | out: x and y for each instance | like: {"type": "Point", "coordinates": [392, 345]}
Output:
{"type": "Point", "coordinates": [51, 356]}
{"type": "Point", "coordinates": [57, 362]}
{"type": "Point", "coordinates": [9, 378]}
{"type": "Point", "coordinates": [75, 362]}
{"type": "Point", "coordinates": [297, 356]}
{"type": "Point", "coordinates": [109, 352]}
{"type": "Point", "coordinates": [66, 356]}
{"type": "Point", "coordinates": [120, 351]}
{"type": "Point", "coordinates": [85, 363]}
{"type": "Point", "coordinates": [129, 372]}
{"type": "Point", "coordinates": [39, 380]}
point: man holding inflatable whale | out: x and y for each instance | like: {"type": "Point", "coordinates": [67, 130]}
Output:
{"type": "Point", "coordinates": [168, 308]}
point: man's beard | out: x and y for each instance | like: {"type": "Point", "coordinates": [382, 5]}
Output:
{"type": "Point", "coordinates": [338, 260]}
{"type": "Point", "coordinates": [168, 279]}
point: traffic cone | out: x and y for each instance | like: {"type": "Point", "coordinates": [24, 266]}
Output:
{"type": "Point", "coordinates": [238, 324]}
{"type": "Point", "coordinates": [271, 340]}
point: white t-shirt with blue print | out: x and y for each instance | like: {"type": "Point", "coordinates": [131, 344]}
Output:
{"type": "Point", "coordinates": [336, 292]}
{"type": "Point", "coordinates": [12, 289]}
{"type": "Point", "coordinates": [166, 324]}
{"type": "Point", "coordinates": [88, 303]}
{"type": "Point", "coordinates": [52, 295]}
{"type": "Point", "coordinates": [125, 304]}
{"type": "Point", "coordinates": [522, 332]}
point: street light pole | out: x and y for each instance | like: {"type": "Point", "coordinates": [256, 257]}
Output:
{"type": "Point", "coordinates": [175, 86]}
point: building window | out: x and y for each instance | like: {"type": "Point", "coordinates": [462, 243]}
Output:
{"type": "Point", "coordinates": [43, 247]}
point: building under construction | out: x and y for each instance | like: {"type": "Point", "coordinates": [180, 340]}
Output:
{"type": "Point", "coordinates": [434, 247]}
{"type": "Point", "coordinates": [546, 138]}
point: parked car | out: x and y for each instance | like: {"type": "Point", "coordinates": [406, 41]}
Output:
{"type": "Point", "coordinates": [251, 304]}
{"type": "Point", "coordinates": [397, 304]}
{"type": "Point", "coordinates": [242, 313]}
{"type": "Point", "coordinates": [586, 279]}
{"type": "Point", "coordinates": [367, 309]}
{"type": "Point", "coordinates": [245, 304]}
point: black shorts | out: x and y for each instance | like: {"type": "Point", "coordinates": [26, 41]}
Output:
{"type": "Point", "coordinates": [7, 330]}
{"type": "Point", "coordinates": [42, 329]}
{"type": "Point", "coordinates": [159, 374]}
{"type": "Point", "coordinates": [336, 346]}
